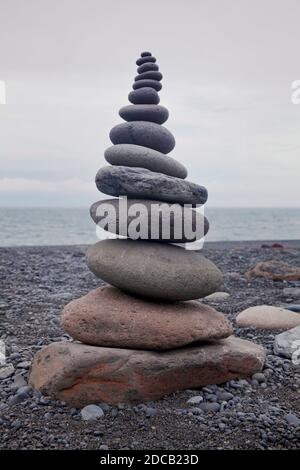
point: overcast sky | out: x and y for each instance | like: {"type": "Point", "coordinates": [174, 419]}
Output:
{"type": "Point", "coordinates": [228, 67]}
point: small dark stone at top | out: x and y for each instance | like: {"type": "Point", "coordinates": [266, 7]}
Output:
{"type": "Point", "coordinates": [143, 60]}
{"type": "Point", "coordinates": [145, 54]}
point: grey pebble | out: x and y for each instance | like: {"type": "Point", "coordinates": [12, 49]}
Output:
{"type": "Point", "coordinates": [209, 406]}
{"type": "Point", "coordinates": [292, 419]}
{"type": "Point", "coordinates": [91, 413]}
{"type": "Point", "coordinates": [195, 400]}
{"type": "Point", "coordinates": [147, 83]}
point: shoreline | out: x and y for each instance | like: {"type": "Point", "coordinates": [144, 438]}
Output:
{"type": "Point", "coordinates": [225, 244]}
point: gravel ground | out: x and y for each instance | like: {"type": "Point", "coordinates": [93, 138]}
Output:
{"type": "Point", "coordinates": [258, 413]}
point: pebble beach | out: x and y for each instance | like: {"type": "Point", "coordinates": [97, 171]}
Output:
{"type": "Point", "coordinates": [259, 412]}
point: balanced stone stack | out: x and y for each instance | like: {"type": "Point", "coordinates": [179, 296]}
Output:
{"type": "Point", "coordinates": [145, 335]}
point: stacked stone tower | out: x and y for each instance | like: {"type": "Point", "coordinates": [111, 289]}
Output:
{"type": "Point", "coordinates": [144, 335]}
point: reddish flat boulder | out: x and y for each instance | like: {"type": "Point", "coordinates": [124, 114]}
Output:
{"type": "Point", "coordinates": [274, 270]}
{"type": "Point", "coordinates": [109, 317]}
{"type": "Point", "coordinates": [79, 374]}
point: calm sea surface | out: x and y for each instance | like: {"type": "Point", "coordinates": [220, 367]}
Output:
{"type": "Point", "coordinates": [42, 226]}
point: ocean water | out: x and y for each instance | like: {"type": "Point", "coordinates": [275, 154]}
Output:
{"type": "Point", "coordinates": [57, 226]}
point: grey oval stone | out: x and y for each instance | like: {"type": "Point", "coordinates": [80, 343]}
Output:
{"type": "Point", "coordinates": [147, 83]}
{"type": "Point", "coordinates": [144, 112]}
{"type": "Point", "coordinates": [153, 269]}
{"type": "Point", "coordinates": [147, 134]}
{"type": "Point", "coordinates": [145, 95]}
{"type": "Point", "coordinates": [143, 60]}
{"type": "Point", "coordinates": [145, 54]}
{"type": "Point", "coordinates": [143, 157]}
{"type": "Point", "coordinates": [156, 220]}
{"type": "Point", "coordinates": [145, 184]}
{"type": "Point", "coordinates": [146, 67]}
{"type": "Point", "coordinates": [152, 75]}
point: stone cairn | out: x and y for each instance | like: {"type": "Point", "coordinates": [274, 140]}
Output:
{"type": "Point", "coordinates": [146, 336]}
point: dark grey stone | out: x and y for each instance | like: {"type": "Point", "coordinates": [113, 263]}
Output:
{"type": "Point", "coordinates": [145, 54]}
{"type": "Point", "coordinates": [151, 74]}
{"type": "Point", "coordinates": [143, 60]}
{"type": "Point", "coordinates": [292, 307]}
{"type": "Point", "coordinates": [172, 215]}
{"type": "Point", "coordinates": [145, 184]}
{"type": "Point", "coordinates": [144, 112]}
{"type": "Point", "coordinates": [143, 157]}
{"type": "Point", "coordinates": [146, 134]}
{"type": "Point", "coordinates": [145, 95]}
{"type": "Point", "coordinates": [146, 67]}
{"type": "Point", "coordinates": [147, 83]}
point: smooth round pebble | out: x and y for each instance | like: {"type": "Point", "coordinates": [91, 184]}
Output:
{"type": "Point", "coordinates": [153, 269]}
{"type": "Point", "coordinates": [151, 74]}
{"type": "Point", "coordinates": [146, 134]}
{"type": "Point", "coordinates": [143, 60]}
{"type": "Point", "coordinates": [144, 112]}
{"type": "Point", "coordinates": [91, 413]}
{"type": "Point", "coordinates": [147, 67]}
{"type": "Point", "coordinates": [147, 83]}
{"type": "Point", "coordinates": [146, 95]}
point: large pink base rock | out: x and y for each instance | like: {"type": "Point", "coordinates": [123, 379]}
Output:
{"type": "Point", "coordinates": [79, 374]}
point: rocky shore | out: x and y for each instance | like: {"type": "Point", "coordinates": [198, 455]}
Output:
{"type": "Point", "coordinates": [258, 413]}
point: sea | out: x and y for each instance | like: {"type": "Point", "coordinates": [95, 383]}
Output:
{"type": "Point", "coordinates": [69, 226]}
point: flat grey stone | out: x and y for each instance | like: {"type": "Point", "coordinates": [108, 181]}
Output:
{"type": "Point", "coordinates": [146, 54]}
{"type": "Point", "coordinates": [143, 60]}
{"type": "Point", "coordinates": [112, 215]}
{"type": "Point", "coordinates": [151, 74]}
{"type": "Point", "coordinates": [144, 112]}
{"type": "Point", "coordinates": [6, 371]}
{"type": "Point", "coordinates": [146, 95]}
{"type": "Point", "coordinates": [146, 134]}
{"type": "Point", "coordinates": [147, 67]}
{"type": "Point", "coordinates": [154, 270]}
{"type": "Point", "coordinates": [143, 157]}
{"type": "Point", "coordinates": [209, 406]}
{"type": "Point", "coordinates": [293, 292]}
{"type": "Point", "coordinates": [145, 184]}
{"type": "Point", "coordinates": [147, 83]}
{"type": "Point", "coordinates": [287, 343]}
